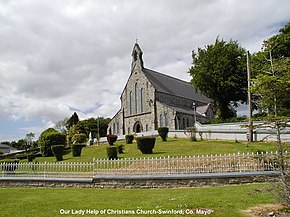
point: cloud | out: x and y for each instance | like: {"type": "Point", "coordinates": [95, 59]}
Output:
{"type": "Point", "coordinates": [60, 56]}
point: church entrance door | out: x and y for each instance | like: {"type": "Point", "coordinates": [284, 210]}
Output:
{"type": "Point", "coordinates": [138, 127]}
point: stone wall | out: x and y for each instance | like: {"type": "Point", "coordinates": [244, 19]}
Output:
{"type": "Point", "coordinates": [169, 181]}
{"type": "Point", "coordinates": [166, 113]}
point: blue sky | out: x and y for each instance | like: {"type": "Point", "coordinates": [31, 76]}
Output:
{"type": "Point", "coordinates": [58, 57]}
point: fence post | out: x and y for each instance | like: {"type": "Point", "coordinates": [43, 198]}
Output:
{"type": "Point", "coordinates": [44, 169]}
{"type": "Point", "coordinates": [93, 167]}
{"type": "Point", "coordinates": [168, 164]}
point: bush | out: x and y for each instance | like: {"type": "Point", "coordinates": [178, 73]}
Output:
{"type": "Point", "coordinates": [129, 139]}
{"type": "Point", "coordinates": [111, 138]}
{"type": "Point", "coordinates": [30, 157]}
{"type": "Point", "coordinates": [10, 164]}
{"type": "Point", "coordinates": [58, 151]}
{"type": "Point", "coordinates": [76, 150]}
{"type": "Point", "coordinates": [49, 138]}
{"type": "Point", "coordinates": [79, 138]}
{"type": "Point", "coordinates": [163, 132]}
{"type": "Point", "coordinates": [121, 149]}
{"type": "Point", "coordinates": [146, 144]}
{"type": "Point", "coordinates": [112, 152]}
{"type": "Point", "coordinates": [192, 133]}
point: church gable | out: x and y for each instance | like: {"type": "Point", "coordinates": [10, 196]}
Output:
{"type": "Point", "coordinates": [138, 94]}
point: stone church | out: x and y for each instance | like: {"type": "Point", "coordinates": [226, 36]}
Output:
{"type": "Point", "coordinates": [151, 99]}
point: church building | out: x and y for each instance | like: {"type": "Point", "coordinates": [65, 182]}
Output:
{"type": "Point", "coordinates": [151, 99]}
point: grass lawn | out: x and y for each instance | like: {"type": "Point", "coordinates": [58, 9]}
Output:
{"type": "Point", "coordinates": [173, 147]}
{"type": "Point", "coordinates": [224, 201]}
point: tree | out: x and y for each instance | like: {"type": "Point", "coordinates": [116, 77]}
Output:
{"type": "Point", "coordinates": [273, 63]}
{"type": "Point", "coordinates": [29, 140]}
{"type": "Point", "coordinates": [279, 44]}
{"type": "Point", "coordinates": [272, 87]}
{"type": "Point", "coordinates": [219, 72]}
{"type": "Point", "coordinates": [48, 138]}
{"type": "Point", "coordinates": [73, 120]}
{"type": "Point", "coordinates": [61, 125]}
{"type": "Point", "coordinates": [96, 126]}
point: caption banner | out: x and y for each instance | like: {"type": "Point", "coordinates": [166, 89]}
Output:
{"type": "Point", "coordinates": [135, 212]}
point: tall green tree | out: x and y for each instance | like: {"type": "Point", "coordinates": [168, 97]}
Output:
{"type": "Point", "coordinates": [219, 72]}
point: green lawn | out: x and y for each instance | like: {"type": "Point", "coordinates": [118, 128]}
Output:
{"type": "Point", "coordinates": [173, 147]}
{"type": "Point", "coordinates": [224, 201]}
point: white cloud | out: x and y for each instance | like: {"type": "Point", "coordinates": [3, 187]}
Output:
{"type": "Point", "coordinates": [57, 56]}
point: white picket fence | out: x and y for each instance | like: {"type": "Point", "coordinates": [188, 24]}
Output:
{"type": "Point", "coordinates": [249, 162]}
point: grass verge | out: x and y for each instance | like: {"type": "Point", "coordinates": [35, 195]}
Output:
{"type": "Point", "coordinates": [173, 147]}
{"type": "Point", "coordinates": [227, 201]}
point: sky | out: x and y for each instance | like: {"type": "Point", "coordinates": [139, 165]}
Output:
{"type": "Point", "coordinates": [58, 57]}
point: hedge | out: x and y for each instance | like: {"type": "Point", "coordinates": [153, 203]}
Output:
{"type": "Point", "coordinates": [76, 150]}
{"type": "Point", "coordinates": [58, 151]}
{"type": "Point", "coordinates": [163, 132]}
{"type": "Point", "coordinates": [111, 138]}
{"type": "Point", "coordinates": [112, 152]}
{"type": "Point", "coordinates": [129, 139]}
{"type": "Point", "coordinates": [121, 149]}
{"type": "Point", "coordinates": [146, 144]}
{"type": "Point", "coordinates": [30, 157]}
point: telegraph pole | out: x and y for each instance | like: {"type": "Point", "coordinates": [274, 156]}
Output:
{"type": "Point", "coordinates": [249, 98]}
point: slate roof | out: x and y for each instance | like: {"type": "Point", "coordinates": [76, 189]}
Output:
{"type": "Point", "coordinates": [173, 86]}
{"type": "Point", "coordinates": [5, 150]}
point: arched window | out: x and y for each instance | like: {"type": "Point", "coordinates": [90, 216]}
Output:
{"type": "Point", "coordinates": [166, 120]}
{"type": "Point", "coordinates": [160, 121]}
{"type": "Point", "coordinates": [187, 122]}
{"type": "Point", "coordinates": [183, 123]}
{"type": "Point", "coordinates": [142, 99]}
{"type": "Point", "coordinates": [118, 128]}
{"type": "Point", "coordinates": [131, 102]}
{"type": "Point", "coordinates": [114, 128]}
{"type": "Point", "coordinates": [136, 99]}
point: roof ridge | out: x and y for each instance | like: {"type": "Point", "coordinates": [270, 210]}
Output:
{"type": "Point", "coordinates": [188, 82]}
